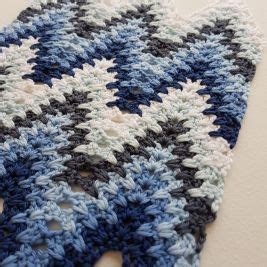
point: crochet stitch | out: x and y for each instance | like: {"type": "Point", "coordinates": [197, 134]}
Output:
{"type": "Point", "coordinates": [135, 105]}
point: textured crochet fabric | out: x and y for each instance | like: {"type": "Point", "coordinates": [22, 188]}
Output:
{"type": "Point", "coordinates": [136, 106]}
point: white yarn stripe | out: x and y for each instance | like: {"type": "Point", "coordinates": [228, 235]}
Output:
{"type": "Point", "coordinates": [20, 95]}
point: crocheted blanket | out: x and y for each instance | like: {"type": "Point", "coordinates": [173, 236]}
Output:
{"type": "Point", "coordinates": [117, 123]}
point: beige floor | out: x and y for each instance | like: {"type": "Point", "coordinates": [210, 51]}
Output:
{"type": "Point", "coordinates": [238, 238]}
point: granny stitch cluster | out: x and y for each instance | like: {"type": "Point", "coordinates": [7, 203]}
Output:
{"type": "Point", "coordinates": [133, 105]}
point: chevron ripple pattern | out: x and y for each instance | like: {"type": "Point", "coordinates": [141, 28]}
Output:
{"type": "Point", "coordinates": [137, 107]}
